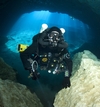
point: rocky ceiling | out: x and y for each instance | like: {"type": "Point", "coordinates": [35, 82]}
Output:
{"type": "Point", "coordinates": [87, 11]}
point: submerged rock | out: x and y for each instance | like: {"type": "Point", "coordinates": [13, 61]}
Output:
{"type": "Point", "coordinates": [6, 71]}
{"type": "Point", "coordinates": [17, 95]}
{"type": "Point", "coordinates": [13, 94]}
{"type": "Point", "coordinates": [85, 83]}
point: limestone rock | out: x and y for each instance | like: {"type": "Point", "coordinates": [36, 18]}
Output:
{"type": "Point", "coordinates": [6, 72]}
{"type": "Point", "coordinates": [85, 83]}
{"type": "Point", "coordinates": [16, 95]}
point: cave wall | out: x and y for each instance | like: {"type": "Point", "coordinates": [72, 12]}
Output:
{"type": "Point", "coordinates": [84, 10]}
{"type": "Point", "coordinates": [85, 82]}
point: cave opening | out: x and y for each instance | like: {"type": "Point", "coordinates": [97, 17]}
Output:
{"type": "Point", "coordinates": [76, 32]}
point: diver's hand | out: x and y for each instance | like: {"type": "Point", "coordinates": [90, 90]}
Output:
{"type": "Point", "coordinates": [34, 75]}
{"type": "Point", "coordinates": [54, 44]}
{"type": "Point", "coordinates": [66, 82]}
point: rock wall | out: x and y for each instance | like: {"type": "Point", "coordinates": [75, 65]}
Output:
{"type": "Point", "coordinates": [13, 94]}
{"type": "Point", "coordinates": [85, 83]}
{"type": "Point", "coordinates": [93, 4]}
{"type": "Point", "coordinates": [6, 71]}
{"type": "Point", "coordinates": [88, 11]}
{"type": "Point", "coordinates": [17, 95]}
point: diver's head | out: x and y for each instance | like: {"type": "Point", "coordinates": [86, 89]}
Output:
{"type": "Point", "coordinates": [55, 29]}
{"type": "Point", "coordinates": [54, 32]}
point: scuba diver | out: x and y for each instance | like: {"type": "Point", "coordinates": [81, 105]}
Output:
{"type": "Point", "coordinates": [48, 51]}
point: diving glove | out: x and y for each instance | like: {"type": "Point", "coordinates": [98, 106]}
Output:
{"type": "Point", "coordinates": [53, 44]}
{"type": "Point", "coordinates": [66, 82]}
{"type": "Point", "coordinates": [34, 75]}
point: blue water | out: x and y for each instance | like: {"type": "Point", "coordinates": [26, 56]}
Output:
{"type": "Point", "coordinates": [77, 34]}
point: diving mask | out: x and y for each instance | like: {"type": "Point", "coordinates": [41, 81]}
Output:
{"type": "Point", "coordinates": [54, 35]}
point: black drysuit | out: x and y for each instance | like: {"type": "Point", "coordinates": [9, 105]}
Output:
{"type": "Point", "coordinates": [39, 46]}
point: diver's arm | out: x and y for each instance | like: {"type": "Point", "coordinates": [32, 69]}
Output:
{"type": "Point", "coordinates": [41, 39]}
{"type": "Point", "coordinates": [62, 44]}
{"type": "Point", "coordinates": [68, 62]}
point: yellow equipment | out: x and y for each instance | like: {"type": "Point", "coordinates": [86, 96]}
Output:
{"type": "Point", "coordinates": [22, 47]}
